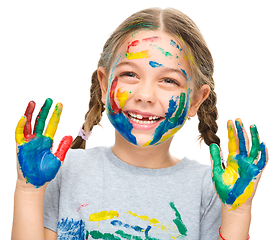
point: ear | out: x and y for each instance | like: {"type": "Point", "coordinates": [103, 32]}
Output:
{"type": "Point", "coordinates": [103, 80]}
{"type": "Point", "coordinates": [198, 98]}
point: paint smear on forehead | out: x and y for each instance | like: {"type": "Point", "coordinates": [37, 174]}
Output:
{"type": "Point", "coordinates": [142, 54]}
{"type": "Point", "coordinates": [155, 64]}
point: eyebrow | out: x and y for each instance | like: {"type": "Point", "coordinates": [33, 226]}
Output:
{"type": "Point", "coordinates": [181, 71]}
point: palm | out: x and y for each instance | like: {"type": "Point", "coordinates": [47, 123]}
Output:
{"type": "Point", "coordinates": [235, 184]}
{"type": "Point", "coordinates": [37, 163]}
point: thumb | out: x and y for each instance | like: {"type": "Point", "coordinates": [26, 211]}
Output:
{"type": "Point", "coordinates": [63, 147]}
{"type": "Point", "coordinates": [215, 157]}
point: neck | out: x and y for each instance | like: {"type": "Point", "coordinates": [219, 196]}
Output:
{"type": "Point", "coordinates": [147, 157]}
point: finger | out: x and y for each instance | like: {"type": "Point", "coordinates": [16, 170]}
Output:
{"type": "Point", "coordinates": [255, 148]}
{"type": "Point", "coordinates": [232, 139]}
{"type": "Point", "coordinates": [41, 117]}
{"type": "Point", "coordinates": [63, 147]}
{"type": "Point", "coordinates": [264, 157]}
{"type": "Point", "coordinates": [216, 159]}
{"type": "Point", "coordinates": [243, 138]}
{"type": "Point", "coordinates": [29, 114]}
{"type": "Point", "coordinates": [53, 123]}
{"type": "Point", "coordinates": [19, 131]}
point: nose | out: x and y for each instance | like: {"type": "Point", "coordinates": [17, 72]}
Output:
{"type": "Point", "coordinates": [145, 93]}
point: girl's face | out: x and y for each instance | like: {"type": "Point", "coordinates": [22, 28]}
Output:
{"type": "Point", "coordinates": [149, 88]}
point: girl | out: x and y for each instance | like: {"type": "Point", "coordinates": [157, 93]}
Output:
{"type": "Point", "coordinates": [155, 72]}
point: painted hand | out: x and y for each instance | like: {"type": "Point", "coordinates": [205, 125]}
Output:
{"type": "Point", "coordinates": [37, 163]}
{"type": "Point", "coordinates": [237, 183]}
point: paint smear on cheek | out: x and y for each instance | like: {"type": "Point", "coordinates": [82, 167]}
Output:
{"type": "Point", "coordinates": [122, 97]}
{"type": "Point", "coordinates": [173, 123]}
{"type": "Point", "coordinates": [115, 115]}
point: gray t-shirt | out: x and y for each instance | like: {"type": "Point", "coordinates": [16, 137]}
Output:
{"type": "Point", "coordinates": [95, 195]}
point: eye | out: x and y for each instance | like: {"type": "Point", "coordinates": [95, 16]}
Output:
{"type": "Point", "coordinates": [128, 74]}
{"type": "Point", "coordinates": [170, 81]}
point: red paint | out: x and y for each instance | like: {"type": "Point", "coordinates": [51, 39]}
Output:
{"type": "Point", "coordinates": [136, 42]}
{"type": "Point", "coordinates": [63, 147]}
{"type": "Point", "coordinates": [113, 104]}
{"type": "Point", "coordinates": [132, 44]}
{"type": "Point", "coordinates": [83, 205]}
{"type": "Point", "coordinates": [151, 39]}
{"type": "Point", "coordinates": [29, 114]}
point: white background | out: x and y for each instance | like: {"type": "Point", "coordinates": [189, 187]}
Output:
{"type": "Point", "coordinates": [51, 48]}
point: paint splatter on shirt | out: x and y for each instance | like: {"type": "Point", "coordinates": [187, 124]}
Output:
{"type": "Point", "coordinates": [97, 196]}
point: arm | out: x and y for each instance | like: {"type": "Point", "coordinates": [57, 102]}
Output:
{"type": "Point", "coordinates": [236, 184]}
{"type": "Point", "coordinates": [36, 167]}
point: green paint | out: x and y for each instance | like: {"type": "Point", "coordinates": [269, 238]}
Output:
{"type": "Point", "coordinates": [41, 117]}
{"type": "Point", "coordinates": [105, 236]}
{"type": "Point", "coordinates": [255, 149]}
{"type": "Point", "coordinates": [178, 221]}
{"type": "Point", "coordinates": [139, 24]}
{"type": "Point", "coordinates": [222, 189]}
{"type": "Point", "coordinates": [167, 54]}
{"type": "Point", "coordinates": [180, 109]}
{"type": "Point", "coordinates": [127, 236]}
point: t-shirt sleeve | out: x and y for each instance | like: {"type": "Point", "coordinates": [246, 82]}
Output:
{"type": "Point", "coordinates": [210, 209]}
{"type": "Point", "coordinates": [51, 203]}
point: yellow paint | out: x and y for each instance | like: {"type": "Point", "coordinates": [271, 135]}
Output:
{"type": "Point", "coordinates": [53, 123]}
{"type": "Point", "coordinates": [145, 218]}
{"type": "Point", "coordinates": [138, 55]}
{"type": "Point", "coordinates": [232, 144]}
{"type": "Point", "coordinates": [233, 163]}
{"type": "Point", "coordinates": [190, 57]}
{"type": "Point", "coordinates": [19, 131]}
{"type": "Point", "coordinates": [167, 136]}
{"type": "Point", "coordinates": [104, 215]}
{"type": "Point", "coordinates": [229, 176]}
{"type": "Point", "coordinates": [122, 97]}
{"type": "Point", "coordinates": [154, 222]}
{"type": "Point", "coordinates": [243, 197]}
{"type": "Point", "coordinates": [147, 143]}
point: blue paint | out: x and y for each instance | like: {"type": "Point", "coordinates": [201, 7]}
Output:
{"type": "Point", "coordinates": [171, 122]}
{"type": "Point", "coordinates": [37, 162]}
{"type": "Point", "coordinates": [70, 229]}
{"type": "Point", "coordinates": [184, 72]}
{"type": "Point", "coordinates": [135, 228]}
{"type": "Point", "coordinates": [247, 171]}
{"type": "Point", "coordinates": [155, 64]}
{"type": "Point", "coordinates": [242, 144]}
{"type": "Point", "coordinates": [174, 44]}
{"type": "Point", "coordinates": [123, 126]}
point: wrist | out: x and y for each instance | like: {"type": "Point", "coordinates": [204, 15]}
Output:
{"type": "Point", "coordinates": [26, 188]}
{"type": "Point", "coordinates": [235, 224]}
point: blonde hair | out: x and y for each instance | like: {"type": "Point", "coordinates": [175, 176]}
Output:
{"type": "Point", "coordinates": [200, 60]}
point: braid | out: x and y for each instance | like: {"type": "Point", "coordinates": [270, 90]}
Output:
{"type": "Point", "coordinates": [94, 114]}
{"type": "Point", "coordinates": [207, 116]}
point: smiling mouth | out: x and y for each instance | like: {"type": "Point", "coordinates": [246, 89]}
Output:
{"type": "Point", "coordinates": [140, 119]}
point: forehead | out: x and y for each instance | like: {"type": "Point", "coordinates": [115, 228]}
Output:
{"type": "Point", "coordinates": [146, 44]}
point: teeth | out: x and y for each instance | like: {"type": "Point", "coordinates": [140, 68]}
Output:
{"type": "Point", "coordinates": [137, 118]}
{"type": "Point", "coordinates": [154, 118]}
